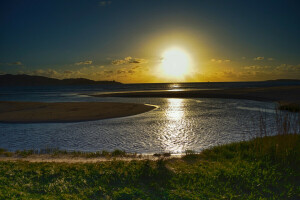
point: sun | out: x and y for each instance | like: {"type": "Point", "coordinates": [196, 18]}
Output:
{"type": "Point", "coordinates": [175, 63]}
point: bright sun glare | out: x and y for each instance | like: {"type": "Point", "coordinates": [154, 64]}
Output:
{"type": "Point", "coordinates": [176, 63]}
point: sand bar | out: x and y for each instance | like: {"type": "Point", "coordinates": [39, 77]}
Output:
{"type": "Point", "coordinates": [37, 112]}
{"type": "Point", "coordinates": [289, 94]}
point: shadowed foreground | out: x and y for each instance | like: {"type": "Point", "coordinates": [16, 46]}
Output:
{"type": "Point", "coordinates": [34, 112]}
{"type": "Point", "coordinates": [263, 168]}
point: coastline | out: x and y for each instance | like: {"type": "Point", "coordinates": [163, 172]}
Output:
{"type": "Point", "coordinates": [288, 97]}
{"type": "Point", "coordinates": [38, 112]}
{"type": "Point", "coordinates": [69, 158]}
{"type": "Point", "coordinates": [280, 93]}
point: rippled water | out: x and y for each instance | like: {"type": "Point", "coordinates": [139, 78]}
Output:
{"type": "Point", "coordinates": [175, 126]}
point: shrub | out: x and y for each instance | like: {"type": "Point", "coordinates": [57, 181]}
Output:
{"type": "Point", "coordinates": [166, 154]}
{"type": "Point", "coordinates": [118, 153]}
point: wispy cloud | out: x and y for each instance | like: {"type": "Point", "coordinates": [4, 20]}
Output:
{"type": "Point", "coordinates": [219, 60]}
{"type": "Point", "coordinates": [104, 3]}
{"type": "Point", "coordinates": [270, 59]}
{"type": "Point", "coordinates": [47, 72]}
{"type": "Point", "coordinates": [129, 60]}
{"type": "Point", "coordinates": [257, 67]}
{"type": "Point", "coordinates": [294, 69]}
{"type": "Point", "coordinates": [259, 58]}
{"type": "Point", "coordinates": [255, 72]}
{"type": "Point", "coordinates": [17, 63]}
{"type": "Point", "coordinates": [87, 62]}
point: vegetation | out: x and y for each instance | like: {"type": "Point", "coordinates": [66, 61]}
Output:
{"type": "Point", "coordinates": [53, 152]}
{"type": "Point", "coordinates": [263, 168]}
{"type": "Point", "coordinates": [293, 107]}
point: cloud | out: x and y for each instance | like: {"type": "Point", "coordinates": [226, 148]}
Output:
{"type": "Point", "coordinates": [120, 71]}
{"type": "Point", "coordinates": [104, 3]}
{"type": "Point", "coordinates": [219, 60]}
{"type": "Point", "coordinates": [87, 62]}
{"type": "Point", "coordinates": [252, 72]}
{"type": "Point", "coordinates": [94, 72]}
{"type": "Point", "coordinates": [138, 60]}
{"type": "Point", "coordinates": [270, 59]}
{"type": "Point", "coordinates": [257, 67]}
{"type": "Point", "coordinates": [17, 63]}
{"type": "Point", "coordinates": [48, 73]}
{"type": "Point", "coordinates": [118, 62]}
{"type": "Point", "coordinates": [294, 69]}
{"type": "Point", "coordinates": [259, 58]}
{"type": "Point", "coordinates": [129, 60]}
{"type": "Point", "coordinates": [108, 72]}
{"type": "Point", "coordinates": [283, 68]}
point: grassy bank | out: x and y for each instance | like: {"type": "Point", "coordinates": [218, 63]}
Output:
{"type": "Point", "coordinates": [53, 152]}
{"type": "Point", "coordinates": [293, 107]}
{"type": "Point", "coordinates": [266, 168]}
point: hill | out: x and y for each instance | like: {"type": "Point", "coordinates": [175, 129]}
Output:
{"type": "Point", "coordinates": [27, 80]}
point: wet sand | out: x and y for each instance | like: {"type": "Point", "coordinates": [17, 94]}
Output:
{"type": "Point", "coordinates": [287, 94]}
{"type": "Point", "coordinates": [37, 112]}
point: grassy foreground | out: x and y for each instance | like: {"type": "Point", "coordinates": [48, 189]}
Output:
{"type": "Point", "coordinates": [263, 168]}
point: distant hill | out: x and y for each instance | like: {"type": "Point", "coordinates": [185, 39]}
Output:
{"type": "Point", "coordinates": [284, 80]}
{"type": "Point", "coordinates": [27, 80]}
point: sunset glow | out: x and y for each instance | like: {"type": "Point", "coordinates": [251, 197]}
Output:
{"type": "Point", "coordinates": [182, 42]}
{"type": "Point", "coordinates": [176, 63]}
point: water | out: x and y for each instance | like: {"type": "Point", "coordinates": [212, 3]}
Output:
{"type": "Point", "coordinates": [175, 126]}
{"type": "Point", "coordinates": [65, 93]}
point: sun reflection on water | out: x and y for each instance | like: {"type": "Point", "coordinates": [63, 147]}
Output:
{"type": "Point", "coordinates": [175, 109]}
{"type": "Point", "coordinates": [174, 137]}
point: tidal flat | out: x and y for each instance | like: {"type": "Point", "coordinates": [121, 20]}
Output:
{"type": "Point", "coordinates": [41, 112]}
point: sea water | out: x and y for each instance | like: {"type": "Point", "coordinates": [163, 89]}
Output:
{"type": "Point", "coordinates": [174, 126]}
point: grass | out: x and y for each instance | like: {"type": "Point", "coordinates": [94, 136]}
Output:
{"type": "Point", "coordinates": [293, 107]}
{"type": "Point", "coordinates": [263, 168]}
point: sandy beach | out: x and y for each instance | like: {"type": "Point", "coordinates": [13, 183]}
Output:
{"type": "Point", "coordinates": [37, 112]}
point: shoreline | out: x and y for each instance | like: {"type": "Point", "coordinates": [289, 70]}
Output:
{"type": "Point", "coordinates": [281, 93]}
{"type": "Point", "coordinates": [61, 156]}
{"type": "Point", "coordinates": [63, 112]}
{"type": "Point", "coordinates": [286, 96]}
{"type": "Point", "coordinates": [46, 158]}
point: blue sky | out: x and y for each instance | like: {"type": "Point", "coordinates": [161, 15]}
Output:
{"type": "Point", "coordinates": [228, 40]}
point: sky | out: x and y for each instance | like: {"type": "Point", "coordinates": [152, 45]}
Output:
{"type": "Point", "coordinates": [130, 40]}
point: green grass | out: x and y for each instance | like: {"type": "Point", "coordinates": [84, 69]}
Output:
{"type": "Point", "coordinates": [263, 168]}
